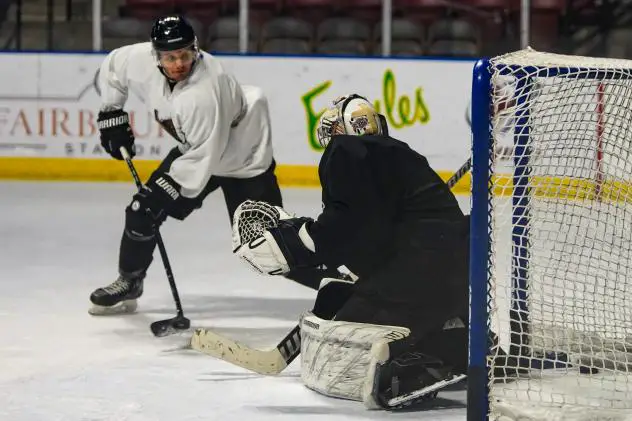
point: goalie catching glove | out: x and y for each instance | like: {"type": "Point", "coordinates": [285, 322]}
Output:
{"type": "Point", "coordinates": [270, 240]}
{"type": "Point", "coordinates": [279, 250]}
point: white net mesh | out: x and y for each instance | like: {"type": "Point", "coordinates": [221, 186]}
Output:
{"type": "Point", "coordinates": [560, 267]}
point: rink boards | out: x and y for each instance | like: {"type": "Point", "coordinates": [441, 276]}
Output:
{"type": "Point", "coordinates": [48, 113]}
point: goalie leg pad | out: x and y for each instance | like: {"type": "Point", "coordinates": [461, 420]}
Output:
{"type": "Point", "coordinates": [336, 354]}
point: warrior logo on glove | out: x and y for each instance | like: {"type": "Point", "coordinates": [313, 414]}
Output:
{"type": "Point", "coordinates": [116, 133]}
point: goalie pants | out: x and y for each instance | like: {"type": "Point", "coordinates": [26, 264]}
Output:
{"type": "Point", "coordinates": [421, 286]}
{"type": "Point", "coordinates": [136, 252]}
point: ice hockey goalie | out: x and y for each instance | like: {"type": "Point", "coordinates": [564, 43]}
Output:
{"type": "Point", "coordinates": [397, 334]}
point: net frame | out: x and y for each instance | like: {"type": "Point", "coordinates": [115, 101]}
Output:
{"type": "Point", "coordinates": [548, 65]}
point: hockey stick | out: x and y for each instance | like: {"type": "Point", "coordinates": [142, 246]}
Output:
{"type": "Point", "coordinates": [169, 326]}
{"type": "Point", "coordinates": [458, 175]}
{"type": "Point", "coordinates": [270, 361]}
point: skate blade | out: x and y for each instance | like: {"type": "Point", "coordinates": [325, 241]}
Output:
{"type": "Point", "coordinates": [418, 394]}
{"type": "Point", "coordinates": [124, 307]}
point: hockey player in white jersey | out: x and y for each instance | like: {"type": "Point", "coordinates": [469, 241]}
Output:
{"type": "Point", "coordinates": [223, 136]}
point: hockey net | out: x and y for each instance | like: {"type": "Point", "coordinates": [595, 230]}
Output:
{"type": "Point", "coordinates": [559, 230]}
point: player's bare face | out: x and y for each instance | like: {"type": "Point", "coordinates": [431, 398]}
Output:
{"type": "Point", "coordinates": [177, 64]}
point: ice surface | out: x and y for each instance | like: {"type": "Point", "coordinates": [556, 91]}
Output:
{"type": "Point", "coordinates": [59, 241]}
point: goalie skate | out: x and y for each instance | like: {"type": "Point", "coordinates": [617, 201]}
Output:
{"type": "Point", "coordinates": [120, 297]}
{"type": "Point", "coordinates": [406, 380]}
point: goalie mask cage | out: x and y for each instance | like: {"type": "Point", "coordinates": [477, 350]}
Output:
{"type": "Point", "coordinates": [551, 238]}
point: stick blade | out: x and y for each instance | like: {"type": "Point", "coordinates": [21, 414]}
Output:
{"type": "Point", "coordinates": [266, 362]}
{"type": "Point", "coordinates": [170, 326]}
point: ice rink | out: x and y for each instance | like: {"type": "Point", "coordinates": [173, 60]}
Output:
{"type": "Point", "coordinates": [60, 241]}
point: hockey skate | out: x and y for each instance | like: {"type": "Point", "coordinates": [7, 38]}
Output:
{"type": "Point", "coordinates": [117, 298]}
{"type": "Point", "coordinates": [405, 380]}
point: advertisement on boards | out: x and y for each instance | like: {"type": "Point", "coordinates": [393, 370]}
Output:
{"type": "Point", "coordinates": [49, 109]}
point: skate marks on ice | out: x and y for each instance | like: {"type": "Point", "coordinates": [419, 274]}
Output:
{"type": "Point", "coordinates": [218, 376]}
{"type": "Point", "coordinates": [443, 408]}
{"type": "Point", "coordinates": [253, 321]}
{"type": "Point", "coordinates": [227, 306]}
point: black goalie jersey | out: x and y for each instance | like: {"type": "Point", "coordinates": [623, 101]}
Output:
{"type": "Point", "coordinates": [392, 221]}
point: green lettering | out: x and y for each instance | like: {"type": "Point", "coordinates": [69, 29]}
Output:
{"type": "Point", "coordinates": [399, 111]}
{"type": "Point", "coordinates": [312, 116]}
{"type": "Point", "coordinates": [421, 109]}
{"type": "Point", "coordinates": [389, 91]}
{"type": "Point", "coordinates": [408, 115]}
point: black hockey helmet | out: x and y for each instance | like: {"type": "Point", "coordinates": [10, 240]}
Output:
{"type": "Point", "coordinates": [172, 32]}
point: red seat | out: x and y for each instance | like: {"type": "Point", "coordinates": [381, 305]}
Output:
{"type": "Point", "coordinates": [148, 3]}
{"type": "Point", "coordinates": [203, 10]}
{"type": "Point", "coordinates": [490, 16]}
{"type": "Point", "coordinates": [425, 4]}
{"type": "Point", "coordinates": [487, 4]}
{"type": "Point", "coordinates": [553, 5]}
{"type": "Point", "coordinates": [146, 9]}
{"type": "Point", "coordinates": [369, 11]}
{"type": "Point", "coordinates": [259, 11]}
{"type": "Point", "coordinates": [556, 6]}
{"type": "Point", "coordinates": [312, 11]}
{"type": "Point", "coordinates": [545, 19]}
{"type": "Point", "coordinates": [424, 11]}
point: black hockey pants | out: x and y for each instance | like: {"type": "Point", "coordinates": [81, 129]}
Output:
{"type": "Point", "coordinates": [421, 287]}
{"type": "Point", "coordinates": [136, 253]}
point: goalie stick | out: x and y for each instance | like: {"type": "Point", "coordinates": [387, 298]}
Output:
{"type": "Point", "coordinates": [458, 175]}
{"type": "Point", "coordinates": [269, 361]}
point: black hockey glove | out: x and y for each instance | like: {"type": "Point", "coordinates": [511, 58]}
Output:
{"type": "Point", "coordinates": [157, 198]}
{"type": "Point", "coordinates": [116, 132]}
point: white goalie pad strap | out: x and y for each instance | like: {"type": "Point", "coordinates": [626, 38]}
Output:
{"type": "Point", "coordinates": [336, 355]}
{"type": "Point", "coordinates": [303, 234]}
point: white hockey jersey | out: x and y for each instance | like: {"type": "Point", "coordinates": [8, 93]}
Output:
{"type": "Point", "coordinates": [222, 127]}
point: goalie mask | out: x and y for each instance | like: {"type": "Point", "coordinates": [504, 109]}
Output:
{"type": "Point", "coordinates": [352, 115]}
